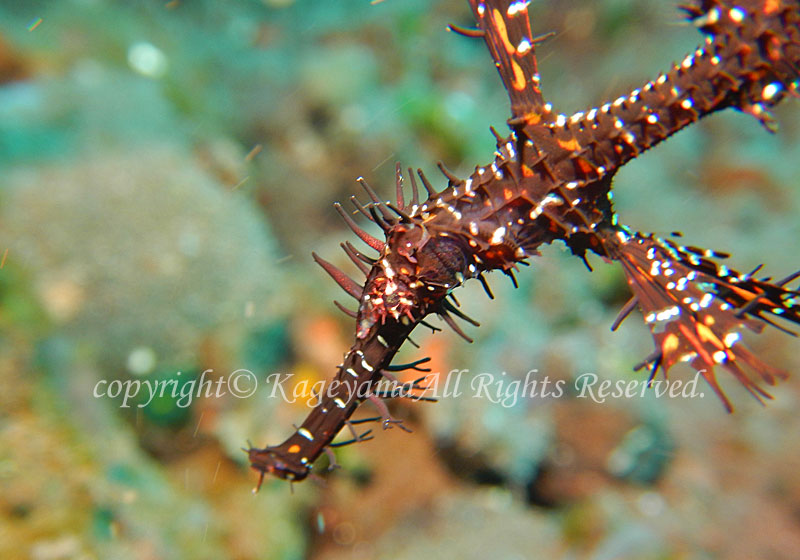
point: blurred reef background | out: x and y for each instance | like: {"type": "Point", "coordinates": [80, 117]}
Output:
{"type": "Point", "coordinates": [166, 169]}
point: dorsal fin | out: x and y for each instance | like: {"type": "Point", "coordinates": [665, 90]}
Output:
{"type": "Point", "coordinates": [507, 32]}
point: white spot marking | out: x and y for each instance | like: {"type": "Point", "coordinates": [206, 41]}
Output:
{"type": "Point", "coordinates": [731, 339]}
{"type": "Point", "coordinates": [737, 15]}
{"type": "Point", "coordinates": [306, 434]}
{"type": "Point", "coordinates": [770, 90]}
{"type": "Point", "coordinates": [497, 236]}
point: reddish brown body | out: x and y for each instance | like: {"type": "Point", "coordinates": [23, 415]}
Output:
{"type": "Point", "coordinates": [551, 180]}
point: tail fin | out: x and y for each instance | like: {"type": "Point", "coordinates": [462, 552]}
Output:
{"type": "Point", "coordinates": [695, 308]}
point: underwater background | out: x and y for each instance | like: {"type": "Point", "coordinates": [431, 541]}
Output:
{"type": "Point", "coordinates": [166, 169]}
